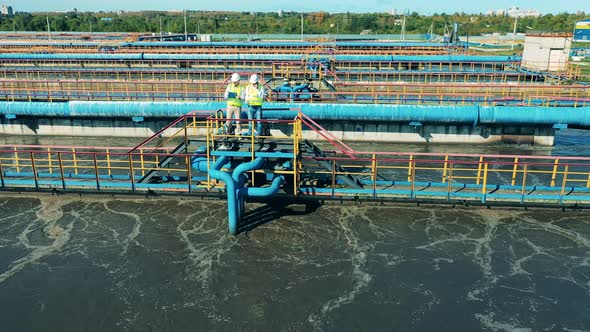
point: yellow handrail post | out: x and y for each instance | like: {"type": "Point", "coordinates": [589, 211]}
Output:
{"type": "Point", "coordinates": [444, 176]}
{"type": "Point", "coordinates": [554, 173]}
{"type": "Point", "coordinates": [514, 171]}
{"type": "Point", "coordinates": [524, 174]}
{"type": "Point", "coordinates": [450, 181]}
{"type": "Point", "coordinates": [479, 167]}
{"type": "Point", "coordinates": [298, 161]}
{"type": "Point", "coordinates": [141, 162]}
{"type": "Point", "coordinates": [108, 162]}
{"type": "Point", "coordinates": [564, 181]}
{"type": "Point", "coordinates": [374, 175]}
{"type": "Point", "coordinates": [16, 160]}
{"type": "Point", "coordinates": [484, 189]}
{"type": "Point", "coordinates": [75, 160]}
{"type": "Point", "coordinates": [195, 126]}
{"type": "Point", "coordinates": [49, 160]}
{"type": "Point", "coordinates": [410, 167]}
{"type": "Point", "coordinates": [413, 180]}
{"type": "Point", "coordinates": [131, 173]}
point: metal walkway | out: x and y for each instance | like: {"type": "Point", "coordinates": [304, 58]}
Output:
{"type": "Point", "coordinates": [195, 155]}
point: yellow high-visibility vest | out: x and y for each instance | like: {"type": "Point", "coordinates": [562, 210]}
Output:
{"type": "Point", "coordinates": [253, 96]}
{"type": "Point", "coordinates": [234, 95]}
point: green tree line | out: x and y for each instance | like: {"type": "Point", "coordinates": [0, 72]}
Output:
{"type": "Point", "coordinates": [288, 23]}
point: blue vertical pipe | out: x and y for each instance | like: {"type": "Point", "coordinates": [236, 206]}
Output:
{"type": "Point", "coordinates": [230, 186]}
{"type": "Point", "coordinates": [233, 205]}
{"type": "Point", "coordinates": [239, 177]}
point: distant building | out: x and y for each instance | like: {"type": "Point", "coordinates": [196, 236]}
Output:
{"type": "Point", "coordinates": [582, 31]}
{"type": "Point", "coordinates": [514, 12]}
{"type": "Point", "coordinates": [520, 12]}
{"type": "Point", "coordinates": [280, 13]}
{"type": "Point", "coordinates": [547, 52]}
{"type": "Point", "coordinates": [6, 10]}
{"type": "Point", "coordinates": [394, 12]}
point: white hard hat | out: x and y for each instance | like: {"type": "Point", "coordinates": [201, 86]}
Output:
{"type": "Point", "coordinates": [254, 78]}
{"type": "Point", "coordinates": [235, 77]}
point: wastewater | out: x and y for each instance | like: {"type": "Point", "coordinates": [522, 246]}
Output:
{"type": "Point", "coordinates": [94, 263]}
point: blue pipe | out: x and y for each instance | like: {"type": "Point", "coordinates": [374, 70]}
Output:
{"type": "Point", "coordinates": [246, 167]}
{"type": "Point", "coordinates": [244, 193]}
{"type": "Point", "coordinates": [240, 179]}
{"type": "Point", "coordinates": [235, 204]}
{"type": "Point", "coordinates": [217, 174]}
{"type": "Point", "coordinates": [236, 193]}
{"type": "Point", "coordinates": [574, 116]}
{"type": "Point", "coordinates": [266, 191]}
{"type": "Point", "coordinates": [200, 164]}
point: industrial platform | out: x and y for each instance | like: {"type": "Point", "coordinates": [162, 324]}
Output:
{"type": "Point", "coordinates": [197, 155]}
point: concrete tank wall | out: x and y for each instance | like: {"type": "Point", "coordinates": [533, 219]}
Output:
{"type": "Point", "coordinates": [362, 131]}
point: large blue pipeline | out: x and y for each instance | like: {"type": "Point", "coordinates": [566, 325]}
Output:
{"type": "Point", "coordinates": [230, 44]}
{"type": "Point", "coordinates": [471, 114]}
{"type": "Point", "coordinates": [259, 57]}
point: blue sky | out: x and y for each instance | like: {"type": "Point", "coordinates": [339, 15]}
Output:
{"type": "Point", "coordinates": [421, 6]}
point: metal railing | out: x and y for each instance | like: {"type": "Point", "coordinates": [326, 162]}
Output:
{"type": "Point", "coordinates": [378, 93]}
{"type": "Point", "coordinates": [344, 173]}
{"type": "Point", "coordinates": [450, 177]}
{"type": "Point", "coordinates": [375, 49]}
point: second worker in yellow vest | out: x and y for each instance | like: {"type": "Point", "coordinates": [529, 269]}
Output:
{"type": "Point", "coordinates": [254, 95]}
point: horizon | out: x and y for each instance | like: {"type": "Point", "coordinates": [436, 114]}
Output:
{"type": "Point", "coordinates": [262, 11]}
{"type": "Point", "coordinates": [422, 7]}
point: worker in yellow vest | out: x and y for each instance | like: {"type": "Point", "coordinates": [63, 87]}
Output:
{"type": "Point", "coordinates": [255, 94]}
{"type": "Point", "coordinates": [234, 95]}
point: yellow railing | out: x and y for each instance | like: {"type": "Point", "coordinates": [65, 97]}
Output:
{"type": "Point", "coordinates": [451, 176]}
{"type": "Point", "coordinates": [439, 93]}
{"type": "Point", "coordinates": [334, 174]}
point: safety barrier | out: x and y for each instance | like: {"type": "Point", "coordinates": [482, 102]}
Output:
{"type": "Point", "coordinates": [294, 72]}
{"type": "Point", "coordinates": [297, 47]}
{"type": "Point", "coordinates": [451, 177]}
{"type": "Point", "coordinates": [378, 93]}
{"type": "Point", "coordinates": [481, 178]}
